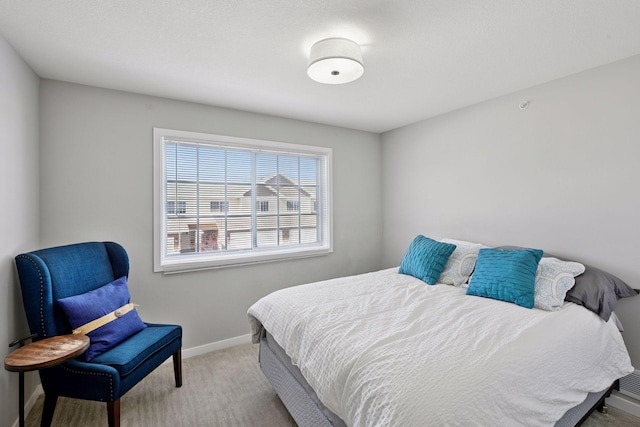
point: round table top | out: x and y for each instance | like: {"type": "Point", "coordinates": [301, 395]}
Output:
{"type": "Point", "coordinates": [46, 353]}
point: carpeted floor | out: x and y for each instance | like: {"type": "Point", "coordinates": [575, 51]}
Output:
{"type": "Point", "coordinates": [222, 388]}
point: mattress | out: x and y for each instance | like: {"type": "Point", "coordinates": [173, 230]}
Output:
{"type": "Point", "coordinates": [385, 349]}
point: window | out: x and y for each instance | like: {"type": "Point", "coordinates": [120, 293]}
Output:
{"type": "Point", "coordinates": [219, 206]}
{"type": "Point", "coordinates": [221, 201]}
{"type": "Point", "coordinates": [176, 207]}
{"type": "Point", "coordinates": [262, 206]}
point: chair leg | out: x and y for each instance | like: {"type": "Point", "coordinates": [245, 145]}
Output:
{"type": "Point", "coordinates": [177, 367]}
{"type": "Point", "coordinates": [48, 409]}
{"type": "Point", "coordinates": [113, 413]}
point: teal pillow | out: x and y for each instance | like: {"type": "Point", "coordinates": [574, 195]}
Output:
{"type": "Point", "coordinates": [425, 259]}
{"type": "Point", "coordinates": [506, 275]}
{"type": "Point", "coordinates": [83, 308]}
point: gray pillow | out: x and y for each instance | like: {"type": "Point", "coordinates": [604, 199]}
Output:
{"type": "Point", "coordinates": [595, 289]}
{"type": "Point", "coordinates": [599, 291]}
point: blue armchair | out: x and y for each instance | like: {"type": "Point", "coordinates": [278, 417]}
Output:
{"type": "Point", "coordinates": [48, 275]}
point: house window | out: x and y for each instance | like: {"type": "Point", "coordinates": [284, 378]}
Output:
{"type": "Point", "coordinates": [219, 206]}
{"type": "Point", "coordinates": [176, 207]}
{"type": "Point", "coordinates": [262, 206]}
{"type": "Point", "coordinates": [270, 200]}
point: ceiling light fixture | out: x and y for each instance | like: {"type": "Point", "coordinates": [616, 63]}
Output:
{"type": "Point", "coordinates": [335, 61]}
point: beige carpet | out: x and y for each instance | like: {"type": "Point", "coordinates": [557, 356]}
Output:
{"type": "Point", "coordinates": [222, 388]}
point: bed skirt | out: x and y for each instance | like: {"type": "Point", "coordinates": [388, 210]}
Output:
{"type": "Point", "coordinates": [307, 410]}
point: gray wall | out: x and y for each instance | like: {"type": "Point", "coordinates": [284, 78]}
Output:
{"type": "Point", "coordinates": [19, 212]}
{"type": "Point", "coordinates": [97, 170]}
{"type": "Point", "coordinates": [561, 175]}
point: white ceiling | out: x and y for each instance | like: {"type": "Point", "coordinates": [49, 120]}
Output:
{"type": "Point", "coordinates": [422, 57]}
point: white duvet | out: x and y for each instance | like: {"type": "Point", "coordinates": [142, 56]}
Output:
{"type": "Point", "coordinates": [385, 349]}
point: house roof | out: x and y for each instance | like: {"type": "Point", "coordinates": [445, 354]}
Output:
{"type": "Point", "coordinates": [262, 192]}
{"type": "Point", "coordinates": [288, 188]}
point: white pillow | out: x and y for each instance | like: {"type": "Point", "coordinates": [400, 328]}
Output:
{"type": "Point", "coordinates": [554, 278]}
{"type": "Point", "coordinates": [461, 262]}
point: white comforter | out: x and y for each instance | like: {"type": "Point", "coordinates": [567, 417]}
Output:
{"type": "Point", "coordinates": [385, 349]}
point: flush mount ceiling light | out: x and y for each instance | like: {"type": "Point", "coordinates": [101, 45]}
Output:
{"type": "Point", "coordinates": [335, 61]}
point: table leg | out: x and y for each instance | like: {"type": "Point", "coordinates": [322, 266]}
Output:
{"type": "Point", "coordinates": [21, 398]}
{"type": "Point", "coordinates": [20, 343]}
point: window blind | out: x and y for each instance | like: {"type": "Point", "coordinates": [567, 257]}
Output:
{"type": "Point", "coordinates": [225, 200]}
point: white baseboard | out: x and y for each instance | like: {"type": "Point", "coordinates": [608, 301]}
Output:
{"type": "Point", "coordinates": [190, 352]}
{"type": "Point", "coordinates": [218, 345]}
{"type": "Point", "coordinates": [625, 403]}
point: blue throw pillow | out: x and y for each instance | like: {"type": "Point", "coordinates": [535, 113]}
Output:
{"type": "Point", "coordinates": [425, 259]}
{"type": "Point", "coordinates": [82, 309]}
{"type": "Point", "coordinates": [506, 275]}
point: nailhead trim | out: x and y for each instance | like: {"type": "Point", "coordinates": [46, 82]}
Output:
{"type": "Point", "coordinates": [42, 329]}
{"type": "Point", "coordinates": [73, 371]}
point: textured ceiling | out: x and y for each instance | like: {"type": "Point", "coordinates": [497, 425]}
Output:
{"type": "Point", "coordinates": [422, 57]}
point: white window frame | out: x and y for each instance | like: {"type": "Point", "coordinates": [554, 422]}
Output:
{"type": "Point", "coordinates": [217, 259]}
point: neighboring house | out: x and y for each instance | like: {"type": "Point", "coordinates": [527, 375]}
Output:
{"type": "Point", "coordinates": [285, 213]}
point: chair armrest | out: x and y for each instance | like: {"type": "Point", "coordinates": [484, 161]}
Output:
{"type": "Point", "coordinates": [22, 340]}
{"type": "Point", "coordinates": [82, 380]}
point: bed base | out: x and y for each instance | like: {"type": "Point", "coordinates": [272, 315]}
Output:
{"type": "Point", "coordinates": [593, 402]}
{"type": "Point", "coordinates": [300, 405]}
{"type": "Point", "coordinates": [307, 410]}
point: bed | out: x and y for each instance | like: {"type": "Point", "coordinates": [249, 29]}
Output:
{"type": "Point", "coordinates": [387, 349]}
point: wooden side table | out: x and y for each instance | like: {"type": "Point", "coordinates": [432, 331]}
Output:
{"type": "Point", "coordinates": [43, 354]}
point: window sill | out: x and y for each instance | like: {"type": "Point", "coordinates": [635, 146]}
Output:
{"type": "Point", "coordinates": [197, 262]}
